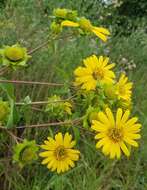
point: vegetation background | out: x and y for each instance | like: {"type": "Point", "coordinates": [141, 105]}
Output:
{"type": "Point", "coordinates": [27, 22]}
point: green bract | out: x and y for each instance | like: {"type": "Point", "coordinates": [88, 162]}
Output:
{"type": "Point", "coordinates": [25, 152]}
{"type": "Point", "coordinates": [4, 110]}
{"type": "Point", "coordinates": [56, 27]}
{"type": "Point", "coordinates": [14, 56]}
{"type": "Point", "coordinates": [65, 14]}
{"type": "Point", "coordinates": [57, 107]}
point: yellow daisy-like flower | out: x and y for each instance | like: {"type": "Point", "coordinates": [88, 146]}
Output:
{"type": "Point", "coordinates": [114, 133]}
{"type": "Point", "coordinates": [86, 26]}
{"type": "Point", "coordinates": [95, 70]}
{"type": "Point", "coordinates": [59, 153]}
{"type": "Point", "coordinates": [124, 88]}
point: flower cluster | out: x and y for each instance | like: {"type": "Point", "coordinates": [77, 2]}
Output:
{"type": "Point", "coordinates": [113, 133]}
{"type": "Point", "coordinates": [97, 73]}
{"type": "Point", "coordinates": [70, 18]}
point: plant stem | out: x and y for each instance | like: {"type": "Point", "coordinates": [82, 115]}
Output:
{"type": "Point", "coordinates": [72, 122]}
{"type": "Point", "coordinates": [44, 44]}
{"type": "Point", "coordinates": [30, 82]}
{"type": "Point", "coordinates": [42, 102]}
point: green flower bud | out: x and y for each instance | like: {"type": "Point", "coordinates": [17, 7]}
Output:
{"type": "Point", "coordinates": [93, 116]}
{"type": "Point", "coordinates": [110, 91]}
{"type": "Point", "coordinates": [14, 56]}
{"type": "Point", "coordinates": [65, 14]}
{"type": "Point", "coordinates": [61, 13]}
{"type": "Point", "coordinates": [71, 15]}
{"type": "Point", "coordinates": [57, 107]}
{"type": "Point", "coordinates": [85, 24]}
{"type": "Point", "coordinates": [14, 53]}
{"type": "Point", "coordinates": [25, 152]}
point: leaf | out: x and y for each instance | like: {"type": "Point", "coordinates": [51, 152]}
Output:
{"type": "Point", "coordinates": [11, 118]}
{"type": "Point", "coordinates": [76, 133]}
{"type": "Point", "coordinates": [9, 90]}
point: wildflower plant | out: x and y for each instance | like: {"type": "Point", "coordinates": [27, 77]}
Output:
{"type": "Point", "coordinates": [97, 100]}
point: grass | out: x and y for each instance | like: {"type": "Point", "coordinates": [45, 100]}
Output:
{"type": "Point", "coordinates": [27, 22]}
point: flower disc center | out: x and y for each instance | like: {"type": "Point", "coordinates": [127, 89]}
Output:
{"type": "Point", "coordinates": [60, 153]}
{"type": "Point", "coordinates": [98, 74]}
{"type": "Point", "coordinates": [115, 134]}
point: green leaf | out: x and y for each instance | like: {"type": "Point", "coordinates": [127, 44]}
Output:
{"type": "Point", "coordinates": [9, 90]}
{"type": "Point", "coordinates": [76, 133]}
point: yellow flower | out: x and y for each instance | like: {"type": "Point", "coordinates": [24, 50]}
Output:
{"type": "Point", "coordinates": [95, 70]}
{"type": "Point", "coordinates": [114, 133]}
{"type": "Point", "coordinates": [124, 88]}
{"type": "Point", "coordinates": [86, 26]}
{"type": "Point", "coordinates": [59, 153]}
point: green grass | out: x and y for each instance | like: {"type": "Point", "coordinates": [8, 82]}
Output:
{"type": "Point", "coordinates": [27, 22]}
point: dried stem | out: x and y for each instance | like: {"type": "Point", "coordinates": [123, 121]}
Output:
{"type": "Point", "coordinates": [39, 47]}
{"type": "Point", "coordinates": [30, 82]}
{"type": "Point", "coordinates": [47, 42]}
{"type": "Point", "coordinates": [72, 122]}
{"type": "Point", "coordinates": [10, 134]}
{"type": "Point", "coordinates": [42, 102]}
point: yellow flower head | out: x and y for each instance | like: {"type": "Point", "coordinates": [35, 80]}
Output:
{"type": "Point", "coordinates": [86, 26]}
{"type": "Point", "coordinates": [114, 133]}
{"type": "Point", "coordinates": [59, 153]}
{"type": "Point", "coordinates": [95, 70]}
{"type": "Point", "coordinates": [124, 88]}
